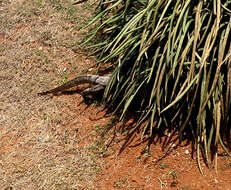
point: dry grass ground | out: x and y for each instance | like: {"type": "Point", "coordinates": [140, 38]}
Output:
{"type": "Point", "coordinates": [41, 144]}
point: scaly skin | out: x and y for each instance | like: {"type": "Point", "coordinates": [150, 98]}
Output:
{"type": "Point", "coordinates": [100, 81]}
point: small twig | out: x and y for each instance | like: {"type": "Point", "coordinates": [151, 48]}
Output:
{"type": "Point", "coordinates": [162, 184]}
{"type": "Point", "coordinates": [79, 2]}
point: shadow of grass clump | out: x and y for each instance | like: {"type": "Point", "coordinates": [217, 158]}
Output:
{"type": "Point", "coordinates": [171, 65]}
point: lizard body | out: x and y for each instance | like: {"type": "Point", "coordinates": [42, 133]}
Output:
{"type": "Point", "coordinates": [100, 81]}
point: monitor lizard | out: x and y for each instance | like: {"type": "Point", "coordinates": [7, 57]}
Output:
{"type": "Point", "coordinates": [99, 81]}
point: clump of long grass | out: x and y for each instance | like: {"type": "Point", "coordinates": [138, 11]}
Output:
{"type": "Point", "coordinates": [172, 64]}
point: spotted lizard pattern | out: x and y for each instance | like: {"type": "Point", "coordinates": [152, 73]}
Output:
{"type": "Point", "coordinates": [99, 82]}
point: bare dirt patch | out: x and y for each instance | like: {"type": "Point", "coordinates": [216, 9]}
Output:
{"type": "Point", "coordinates": [158, 163]}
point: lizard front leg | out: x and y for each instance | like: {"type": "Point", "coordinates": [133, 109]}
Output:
{"type": "Point", "coordinates": [93, 90]}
